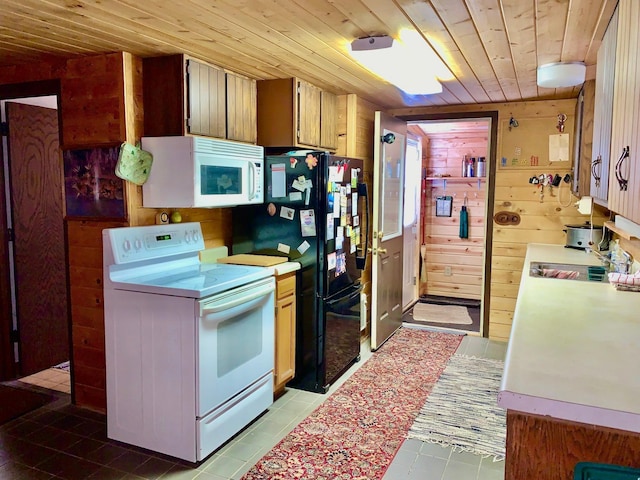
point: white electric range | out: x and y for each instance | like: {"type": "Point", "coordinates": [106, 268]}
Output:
{"type": "Point", "coordinates": [189, 346]}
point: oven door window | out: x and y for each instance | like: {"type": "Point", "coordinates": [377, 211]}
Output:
{"type": "Point", "coordinates": [221, 180]}
{"type": "Point", "coordinates": [235, 342]}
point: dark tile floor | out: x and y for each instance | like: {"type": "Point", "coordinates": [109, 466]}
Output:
{"type": "Point", "coordinates": [62, 441]}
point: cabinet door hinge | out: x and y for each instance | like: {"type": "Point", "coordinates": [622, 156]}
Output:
{"type": "Point", "coordinates": [14, 337]}
{"type": "Point", "coordinates": [4, 129]}
{"type": "Point", "coordinates": [414, 280]}
{"type": "Point", "coordinates": [10, 235]}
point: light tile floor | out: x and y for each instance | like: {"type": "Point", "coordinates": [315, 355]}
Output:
{"type": "Point", "coordinates": [51, 378]}
{"type": "Point", "coordinates": [426, 461]}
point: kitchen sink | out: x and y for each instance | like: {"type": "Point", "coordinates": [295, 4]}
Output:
{"type": "Point", "coordinates": [568, 271]}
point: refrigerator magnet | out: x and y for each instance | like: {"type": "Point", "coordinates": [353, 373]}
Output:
{"type": "Point", "coordinates": [303, 247]}
{"type": "Point", "coordinates": [331, 261]}
{"type": "Point", "coordinates": [284, 248]}
{"type": "Point", "coordinates": [311, 161]}
{"type": "Point", "coordinates": [308, 223]}
{"type": "Point", "coordinates": [286, 212]}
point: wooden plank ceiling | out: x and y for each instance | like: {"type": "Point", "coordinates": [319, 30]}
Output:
{"type": "Point", "coordinates": [492, 47]}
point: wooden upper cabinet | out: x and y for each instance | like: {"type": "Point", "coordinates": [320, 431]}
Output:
{"type": "Point", "coordinates": [603, 113]}
{"type": "Point", "coordinates": [186, 96]}
{"type": "Point", "coordinates": [294, 113]}
{"type": "Point", "coordinates": [241, 108]}
{"type": "Point", "coordinates": [206, 100]}
{"type": "Point", "coordinates": [329, 121]}
{"type": "Point", "coordinates": [624, 171]}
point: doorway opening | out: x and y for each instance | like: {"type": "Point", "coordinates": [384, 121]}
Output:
{"type": "Point", "coordinates": [455, 226]}
{"type": "Point", "coordinates": [35, 318]}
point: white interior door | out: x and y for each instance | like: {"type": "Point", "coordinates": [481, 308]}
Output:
{"type": "Point", "coordinates": [388, 182]}
{"type": "Point", "coordinates": [411, 248]}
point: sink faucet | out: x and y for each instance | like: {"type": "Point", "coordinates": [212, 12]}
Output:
{"type": "Point", "coordinates": [622, 266]}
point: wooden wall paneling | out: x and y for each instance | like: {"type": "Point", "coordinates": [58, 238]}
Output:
{"type": "Point", "coordinates": [84, 239]}
{"type": "Point", "coordinates": [543, 448]}
{"type": "Point", "coordinates": [514, 193]}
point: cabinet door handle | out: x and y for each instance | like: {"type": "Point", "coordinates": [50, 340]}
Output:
{"type": "Point", "coordinates": [595, 171]}
{"type": "Point", "coordinates": [622, 182]}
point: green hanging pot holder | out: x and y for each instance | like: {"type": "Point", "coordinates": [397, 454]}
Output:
{"type": "Point", "coordinates": [134, 164]}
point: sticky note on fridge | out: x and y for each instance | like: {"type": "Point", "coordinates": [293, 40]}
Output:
{"type": "Point", "coordinates": [278, 180]}
{"type": "Point", "coordinates": [336, 204]}
{"type": "Point", "coordinates": [295, 196]}
{"type": "Point", "coordinates": [303, 247]}
{"type": "Point", "coordinates": [331, 261]}
{"type": "Point", "coordinates": [284, 248]}
{"type": "Point", "coordinates": [354, 177]}
{"type": "Point", "coordinates": [288, 213]}
{"type": "Point", "coordinates": [354, 204]}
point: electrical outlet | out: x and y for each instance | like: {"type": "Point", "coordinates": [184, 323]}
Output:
{"type": "Point", "coordinates": [447, 270]}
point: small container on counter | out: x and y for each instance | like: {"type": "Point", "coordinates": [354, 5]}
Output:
{"type": "Point", "coordinates": [464, 166]}
{"type": "Point", "coordinates": [471, 164]}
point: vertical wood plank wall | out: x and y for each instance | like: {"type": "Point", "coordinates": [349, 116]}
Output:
{"type": "Point", "coordinates": [540, 222]}
{"type": "Point", "coordinates": [454, 265]}
{"type": "Point", "coordinates": [104, 93]}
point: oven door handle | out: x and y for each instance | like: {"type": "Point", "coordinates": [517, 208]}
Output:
{"type": "Point", "coordinates": [220, 306]}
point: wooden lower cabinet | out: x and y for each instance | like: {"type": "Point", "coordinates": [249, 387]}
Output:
{"type": "Point", "coordinates": [546, 448]}
{"type": "Point", "coordinates": [285, 351]}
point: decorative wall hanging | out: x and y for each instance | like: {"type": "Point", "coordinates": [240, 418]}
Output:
{"type": "Point", "coordinates": [92, 189]}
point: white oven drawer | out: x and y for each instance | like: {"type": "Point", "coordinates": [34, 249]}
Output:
{"type": "Point", "coordinates": [235, 342]}
{"type": "Point", "coordinates": [227, 420]}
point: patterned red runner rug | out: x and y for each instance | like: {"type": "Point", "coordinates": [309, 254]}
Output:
{"type": "Point", "coordinates": [355, 433]}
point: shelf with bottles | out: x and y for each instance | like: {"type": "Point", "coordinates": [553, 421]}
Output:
{"type": "Point", "coordinates": [469, 180]}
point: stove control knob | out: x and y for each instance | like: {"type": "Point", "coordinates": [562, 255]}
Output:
{"type": "Point", "coordinates": [196, 236]}
{"type": "Point", "coordinates": [187, 237]}
{"type": "Point", "coordinates": [126, 245]}
{"type": "Point", "coordinates": [137, 243]}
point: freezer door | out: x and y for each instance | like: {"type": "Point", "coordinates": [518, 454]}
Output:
{"type": "Point", "coordinates": [342, 332]}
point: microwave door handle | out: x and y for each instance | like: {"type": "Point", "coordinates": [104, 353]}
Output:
{"type": "Point", "coordinates": [252, 180]}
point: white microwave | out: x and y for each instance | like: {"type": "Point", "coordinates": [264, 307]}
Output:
{"type": "Point", "coordinates": [202, 172]}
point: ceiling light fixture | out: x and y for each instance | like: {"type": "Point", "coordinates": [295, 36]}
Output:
{"type": "Point", "coordinates": [409, 63]}
{"type": "Point", "coordinates": [561, 74]}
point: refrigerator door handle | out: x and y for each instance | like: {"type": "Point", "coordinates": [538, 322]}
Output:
{"type": "Point", "coordinates": [361, 256]}
{"type": "Point", "coordinates": [357, 289]}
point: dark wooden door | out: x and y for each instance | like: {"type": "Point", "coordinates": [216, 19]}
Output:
{"type": "Point", "coordinates": [35, 178]}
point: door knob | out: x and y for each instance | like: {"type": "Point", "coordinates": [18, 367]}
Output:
{"type": "Point", "coordinates": [382, 250]}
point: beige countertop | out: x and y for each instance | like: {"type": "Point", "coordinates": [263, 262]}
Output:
{"type": "Point", "coordinates": [285, 267]}
{"type": "Point", "coordinates": [574, 348]}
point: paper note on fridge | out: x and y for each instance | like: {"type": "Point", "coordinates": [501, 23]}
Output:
{"type": "Point", "coordinates": [295, 196]}
{"type": "Point", "coordinates": [303, 247]}
{"type": "Point", "coordinates": [300, 184]}
{"type": "Point", "coordinates": [284, 248]}
{"type": "Point", "coordinates": [286, 212]}
{"type": "Point", "coordinates": [336, 173]}
{"type": "Point", "coordinates": [278, 180]}
{"type": "Point", "coordinates": [331, 261]}
{"type": "Point", "coordinates": [308, 223]}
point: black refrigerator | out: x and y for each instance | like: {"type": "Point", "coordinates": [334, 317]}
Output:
{"type": "Point", "coordinates": [315, 213]}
